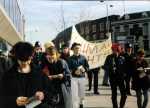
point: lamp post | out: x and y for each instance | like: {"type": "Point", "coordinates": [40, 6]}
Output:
{"type": "Point", "coordinates": [107, 9]}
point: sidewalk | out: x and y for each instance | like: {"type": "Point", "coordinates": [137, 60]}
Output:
{"type": "Point", "coordinates": [104, 99]}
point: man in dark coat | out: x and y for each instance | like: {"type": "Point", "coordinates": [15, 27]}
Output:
{"type": "Point", "coordinates": [115, 66]}
{"type": "Point", "coordinates": [129, 56]}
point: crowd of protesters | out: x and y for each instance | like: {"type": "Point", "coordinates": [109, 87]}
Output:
{"type": "Point", "coordinates": [57, 80]}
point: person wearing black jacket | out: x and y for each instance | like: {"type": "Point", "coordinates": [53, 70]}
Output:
{"type": "Point", "coordinates": [141, 80]}
{"type": "Point", "coordinates": [23, 80]}
{"type": "Point", "coordinates": [115, 66]}
{"type": "Point", "coordinates": [129, 56]}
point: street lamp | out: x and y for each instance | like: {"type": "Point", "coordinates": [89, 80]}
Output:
{"type": "Point", "coordinates": [107, 20]}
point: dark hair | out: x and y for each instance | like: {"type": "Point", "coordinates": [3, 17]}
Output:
{"type": "Point", "coordinates": [23, 50]}
{"type": "Point", "coordinates": [75, 44]}
{"type": "Point", "coordinates": [65, 45]}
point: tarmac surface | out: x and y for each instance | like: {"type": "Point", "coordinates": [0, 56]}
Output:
{"type": "Point", "coordinates": [104, 99]}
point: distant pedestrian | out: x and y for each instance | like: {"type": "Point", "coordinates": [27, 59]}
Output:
{"type": "Point", "coordinates": [65, 54]}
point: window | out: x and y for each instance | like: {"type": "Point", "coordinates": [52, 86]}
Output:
{"type": "Point", "coordinates": [145, 29]}
{"type": "Point", "coordinates": [87, 29]}
{"type": "Point", "coordinates": [94, 28]}
{"type": "Point", "coordinates": [102, 26]}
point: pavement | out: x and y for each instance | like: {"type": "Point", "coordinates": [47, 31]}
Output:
{"type": "Point", "coordinates": [104, 99]}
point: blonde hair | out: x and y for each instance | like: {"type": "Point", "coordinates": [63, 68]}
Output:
{"type": "Point", "coordinates": [52, 50]}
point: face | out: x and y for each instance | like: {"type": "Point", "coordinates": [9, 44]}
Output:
{"type": "Point", "coordinates": [38, 49]}
{"type": "Point", "coordinates": [51, 57]}
{"type": "Point", "coordinates": [23, 64]}
{"type": "Point", "coordinates": [66, 50]}
{"type": "Point", "coordinates": [140, 57]}
{"type": "Point", "coordinates": [77, 49]}
{"type": "Point", "coordinates": [129, 49]}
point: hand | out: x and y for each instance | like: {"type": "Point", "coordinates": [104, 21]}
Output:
{"type": "Point", "coordinates": [82, 69]}
{"type": "Point", "coordinates": [39, 95]}
{"type": "Point", "coordinates": [50, 77]}
{"type": "Point", "coordinates": [60, 76]}
{"type": "Point", "coordinates": [21, 101]}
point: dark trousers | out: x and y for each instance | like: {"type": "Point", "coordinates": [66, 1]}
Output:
{"type": "Point", "coordinates": [139, 93]}
{"type": "Point", "coordinates": [127, 80]}
{"type": "Point", "coordinates": [105, 77]}
{"type": "Point", "coordinates": [92, 73]}
{"type": "Point", "coordinates": [114, 84]}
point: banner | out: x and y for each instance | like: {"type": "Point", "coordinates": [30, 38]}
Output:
{"type": "Point", "coordinates": [94, 52]}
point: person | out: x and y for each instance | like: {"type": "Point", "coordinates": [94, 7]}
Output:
{"type": "Point", "coordinates": [59, 77]}
{"type": "Point", "coordinates": [78, 65]}
{"type": "Point", "coordinates": [115, 66]}
{"type": "Point", "coordinates": [65, 54]}
{"type": "Point", "coordinates": [140, 82]}
{"type": "Point", "coordinates": [38, 54]}
{"type": "Point", "coordinates": [129, 56]}
{"type": "Point", "coordinates": [93, 72]}
{"type": "Point", "coordinates": [23, 80]}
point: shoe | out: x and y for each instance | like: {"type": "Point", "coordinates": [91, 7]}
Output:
{"type": "Point", "coordinates": [105, 84]}
{"type": "Point", "coordinates": [97, 93]}
{"type": "Point", "coordinates": [81, 106]}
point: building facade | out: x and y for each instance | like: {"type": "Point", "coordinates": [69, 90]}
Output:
{"type": "Point", "coordinates": [11, 23]}
{"type": "Point", "coordinates": [133, 28]}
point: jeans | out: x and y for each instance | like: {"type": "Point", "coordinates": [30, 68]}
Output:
{"type": "Point", "coordinates": [139, 98]}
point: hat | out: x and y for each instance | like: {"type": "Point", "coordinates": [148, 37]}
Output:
{"type": "Point", "coordinates": [48, 44]}
{"type": "Point", "coordinates": [75, 44]}
{"type": "Point", "coordinates": [37, 44]}
{"type": "Point", "coordinates": [128, 45]}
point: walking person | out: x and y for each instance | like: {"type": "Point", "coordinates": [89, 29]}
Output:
{"type": "Point", "coordinates": [141, 81]}
{"type": "Point", "coordinates": [129, 56]}
{"type": "Point", "coordinates": [115, 67]}
{"type": "Point", "coordinates": [78, 65]}
{"type": "Point", "coordinates": [59, 77]}
{"type": "Point", "coordinates": [23, 80]}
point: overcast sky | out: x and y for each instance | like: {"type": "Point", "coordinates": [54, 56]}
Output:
{"type": "Point", "coordinates": [44, 18]}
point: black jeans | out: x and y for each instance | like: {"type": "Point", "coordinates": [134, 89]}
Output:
{"type": "Point", "coordinates": [139, 93]}
{"type": "Point", "coordinates": [114, 84]}
{"type": "Point", "coordinates": [90, 78]}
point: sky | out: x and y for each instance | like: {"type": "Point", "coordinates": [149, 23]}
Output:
{"type": "Point", "coordinates": [46, 18]}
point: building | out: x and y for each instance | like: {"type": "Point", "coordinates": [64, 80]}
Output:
{"type": "Point", "coordinates": [92, 30]}
{"type": "Point", "coordinates": [133, 28]}
{"type": "Point", "coordinates": [11, 24]}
